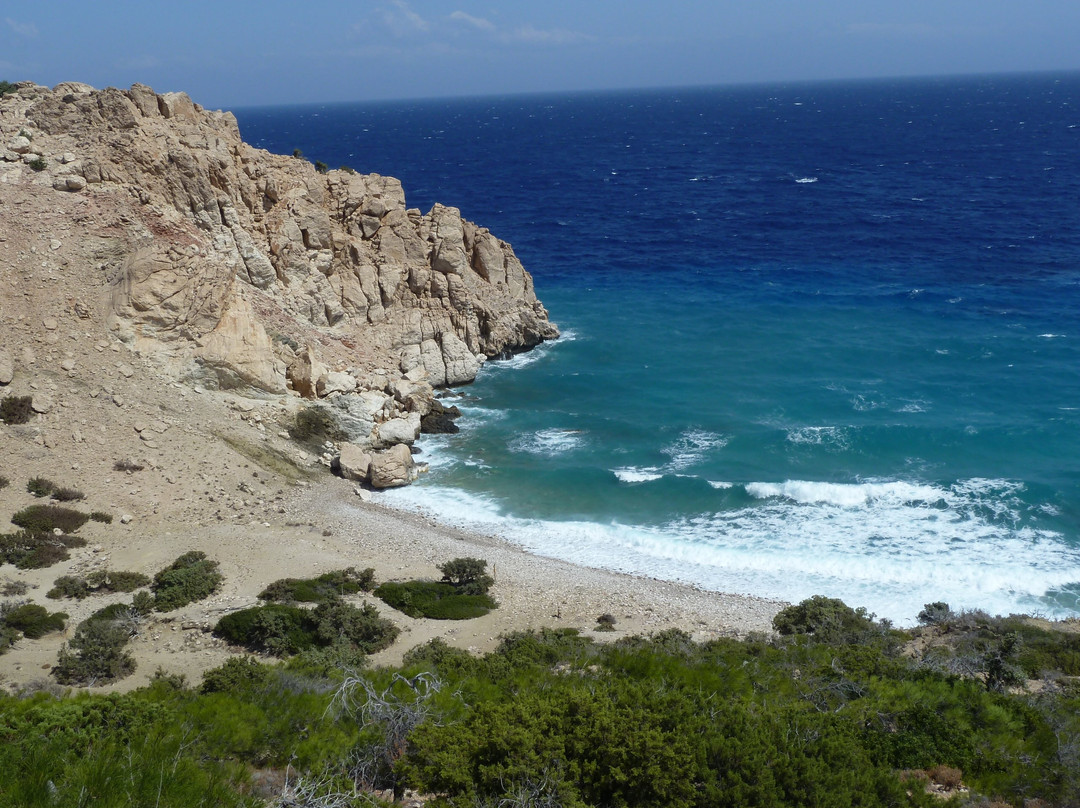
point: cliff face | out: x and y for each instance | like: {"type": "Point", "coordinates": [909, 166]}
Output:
{"type": "Point", "coordinates": [231, 267]}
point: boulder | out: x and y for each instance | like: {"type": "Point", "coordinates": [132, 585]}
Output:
{"type": "Point", "coordinates": [397, 430]}
{"type": "Point", "coordinates": [335, 382]}
{"type": "Point", "coordinates": [354, 463]}
{"type": "Point", "coordinates": [305, 371]}
{"type": "Point", "coordinates": [392, 467]}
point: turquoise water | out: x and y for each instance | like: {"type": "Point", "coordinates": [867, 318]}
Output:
{"type": "Point", "coordinates": [817, 338]}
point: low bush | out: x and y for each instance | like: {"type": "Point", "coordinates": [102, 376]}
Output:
{"type": "Point", "coordinates": [31, 620]}
{"type": "Point", "coordinates": [191, 577]}
{"type": "Point", "coordinates": [32, 550]}
{"type": "Point", "coordinates": [237, 675]}
{"type": "Point", "coordinates": [327, 586]}
{"type": "Point", "coordinates": [38, 163]}
{"type": "Point", "coordinates": [828, 620]}
{"type": "Point", "coordinates": [605, 622]}
{"type": "Point", "coordinates": [16, 409]}
{"type": "Point", "coordinates": [127, 465]}
{"type": "Point", "coordinates": [101, 516]}
{"type": "Point", "coordinates": [46, 518]}
{"type": "Point", "coordinates": [68, 495]}
{"type": "Point", "coordinates": [439, 601]}
{"type": "Point", "coordinates": [7, 88]}
{"type": "Point", "coordinates": [40, 486]}
{"type": "Point", "coordinates": [284, 630]}
{"type": "Point", "coordinates": [467, 575]}
{"type": "Point", "coordinates": [101, 582]}
{"type": "Point", "coordinates": [12, 588]}
{"type": "Point", "coordinates": [4, 482]}
{"type": "Point", "coordinates": [95, 654]}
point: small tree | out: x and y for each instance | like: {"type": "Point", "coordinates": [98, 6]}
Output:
{"type": "Point", "coordinates": [468, 575]}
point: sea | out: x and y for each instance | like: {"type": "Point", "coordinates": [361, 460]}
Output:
{"type": "Point", "coordinates": [817, 338]}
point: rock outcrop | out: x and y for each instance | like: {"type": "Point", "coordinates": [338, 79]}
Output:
{"type": "Point", "coordinates": [232, 268]}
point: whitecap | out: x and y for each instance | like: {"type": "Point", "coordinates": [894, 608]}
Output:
{"type": "Point", "coordinates": [632, 474]}
{"type": "Point", "coordinates": [548, 442]}
{"type": "Point", "coordinates": [832, 436]}
{"type": "Point", "coordinates": [806, 180]}
{"type": "Point", "coordinates": [720, 485]}
{"type": "Point", "coordinates": [692, 446]}
{"type": "Point", "coordinates": [1052, 336]}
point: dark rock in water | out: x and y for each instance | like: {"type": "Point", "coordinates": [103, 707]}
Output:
{"type": "Point", "coordinates": [440, 420]}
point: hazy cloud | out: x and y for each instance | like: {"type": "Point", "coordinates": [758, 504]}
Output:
{"type": "Point", "coordinates": [26, 29]}
{"type": "Point", "coordinates": [476, 22]}
{"type": "Point", "coordinates": [404, 17]}
{"type": "Point", "coordinates": [549, 36]}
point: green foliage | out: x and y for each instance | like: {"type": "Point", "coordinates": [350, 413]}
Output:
{"type": "Point", "coordinates": [16, 409]}
{"type": "Point", "coordinates": [829, 620]}
{"type": "Point", "coordinates": [605, 622]}
{"type": "Point", "coordinates": [432, 599]}
{"type": "Point", "coordinates": [327, 586]}
{"type": "Point", "coordinates": [31, 620]}
{"type": "Point", "coordinates": [68, 495]}
{"type": "Point", "coordinates": [95, 654]}
{"type": "Point", "coordinates": [7, 88]}
{"type": "Point", "coordinates": [347, 169]}
{"type": "Point", "coordinates": [40, 487]}
{"type": "Point", "coordinates": [34, 550]}
{"type": "Point", "coordinates": [315, 425]}
{"type": "Point", "coordinates": [321, 167]}
{"type": "Point", "coordinates": [38, 163]}
{"type": "Point", "coordinates": [101, 516]}
{"type": "Point", "coordinates": [284, 630]}
{"type": "Point", "coordinates": [190, 578]}
{"type": "Point", "coordinates": [468, 575]}
{"type": "Point", "coordinates": [4, 482]}
{"type": "Point", "coordinates": [237, 675]}
{"type": "Point", "coordinates": [46, 518]}
{"type": "Point", "coordinates": [935, 613]}
{"type": "Point", "coordinates": [100, 582]}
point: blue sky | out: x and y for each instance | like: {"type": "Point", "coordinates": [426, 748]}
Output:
{"type": "Point", "coordinates": [229, 54]}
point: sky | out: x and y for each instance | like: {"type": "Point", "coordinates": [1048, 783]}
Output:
{"type": "Point", "coordinates": [229, 54]}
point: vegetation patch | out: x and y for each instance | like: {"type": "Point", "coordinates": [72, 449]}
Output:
{"type": "Point", "coordinates": [32, 550]}
{"type": "Point", "coordinates": [327, 586]}
{"type": "Point", "coordinates": [96, 653]}
{"type": "Point", "coordinates": [46, 518]}
{"type": "Point", "coordinates": [190, 578]}
{"type": "Point", "coordinates": [284, 630]}
{"type": "Point", "coordinates": [314, 426]}
{"type": "Point", "coordinates": [4, 482]}
{"type": "Point", "coordinates": [434, 599]}
{"type": "Point", "coordinates": [16, 409]}
{"type": "Point", "coordinates": [101, 582]}
{"type": "Point", "coordinates": [27, 620]}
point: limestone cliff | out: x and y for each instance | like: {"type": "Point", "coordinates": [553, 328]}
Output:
{"type": "Point", "coordinates": [235, 268]}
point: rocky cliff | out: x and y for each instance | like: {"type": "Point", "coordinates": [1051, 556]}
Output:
{"type": "Point", "coordinates": [228, 267]}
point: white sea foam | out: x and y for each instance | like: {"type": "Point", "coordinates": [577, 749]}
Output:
{"type": "Point", "coordinates": [1052, 336]}
{"type": "Point", "coordinates": [720, 484]}
{"type": "Point", "coordinates": [549, 441]}
{"type": "Point", "coordinates": [692, 446]}
{"type": "Point", "coordinates": [632, 474]}
{"type": "Point", "coordinates": [806, 180]}
{"type": "Point", "coordinates": [891, 546]}
{"type": "Point", "coordinates": [830, 436]}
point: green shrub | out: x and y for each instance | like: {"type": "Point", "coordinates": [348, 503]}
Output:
{"type": "Point", "coordinates": [46, 518]}
{"type": "Point", "coordinates": [238, 674]}
{"type": "Point", "coordinates": [16, 409]}
{"type": "Point", "coordinates": [327, 586]}
{"type": "Point", "coordinates": [828, 620]}
{"type": "Point", "coordinates": [100, 582]}
{"type": "Point", "coordinates": [360, 628]}
{"type": "Point", "coordinates": [38, 163]}
{"type": "Point", "coordinates": [30, 550]}
{"type": "Point", "coordinates": [95, 654]}
{"type": "Point", "coordinates": [4, 482]}
{"type": "Point", "coordinates": [935, 613]}
{"type": "Point", "coordinates": [127, 465]}
{"type": "Point", "coordinates": [11, 588]}
{"type": "Point", "coordinates": [7, 88]}
{"type": "Point", "coordinates": [274, 629]}
{"type": "Point", "coordinates": [321, 167]}
{"type": "Point", "coordinates": [468, 575]}
{"type": "Point", "coordinates": [40, 487]}
{"type": "Point", "coordinates": [190, 578]}
{"type": "Point", "coordinates": [436, 600]}
{"type": "Point", "coordinates": [68, 495]}
{"type": "Point", "coordinates": [101, 516]}
{"type": "Point", "coordinates": [32, 620]}
{"type": "Point", "coordinates": [605, 622]}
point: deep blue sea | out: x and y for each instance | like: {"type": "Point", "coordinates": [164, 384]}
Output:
{"type": "Point", "coordinates": [818, 338]}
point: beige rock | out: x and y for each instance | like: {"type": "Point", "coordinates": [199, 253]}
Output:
{"type": "Point", "coordinates": [305, 371]}
{"type": "Point", "coordinates": [335, 382]}
{"type": "Point", "coordinates": [354, 462]}
{"type": "Point", "coordinates": [392, 468]}
{"type": "Point", "coordinates": [397, 430]}
{"type": "Point", "coordinates": [240, 351]}
{"type": "Point", "coordinates": [41, 403]}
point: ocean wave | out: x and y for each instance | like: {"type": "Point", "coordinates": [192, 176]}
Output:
{"type": "Point", "coordinates": [548, 442]}
{"type": "Point", "coordinates": [631, 474]}
{"type": "Point", "coordinates": [692, 446]}
{"type": "Point", "coordinates": [806, 180]}
{"type": "Point", "coordinates": [891, 546]}
{"type": "Point", "coordinates": [834, 437]}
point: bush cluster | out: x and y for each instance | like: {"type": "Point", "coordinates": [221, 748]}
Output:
{"type": "Point", "coordinates": [190, 578]}
{"type": "Point", "coordinates": [16, 409]}
{"type": "Point", "coordinates": [42, 487]}
{"type": "Point", "coordinates": [27, 620]}
{"type": "Point", "coordinates": [46, 518]}
{"type": "Point", "coordinates": [284, 630]}
{"type": "Point", "coordinates": [327, 586]}
{"type": "Point", "coordinates": [29, 550]}
{"type": "Point", "coordinates": [96, 653]}
{"type": "Point", "coordinates": [100, 582]}
{"type": "Point", "coordinates": [433, 599]}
